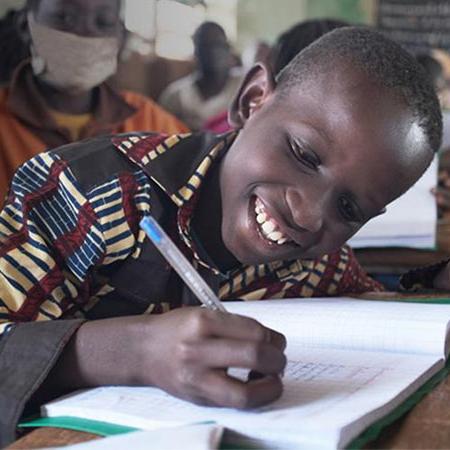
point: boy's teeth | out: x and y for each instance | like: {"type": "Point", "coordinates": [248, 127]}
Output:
{"type": "Point", "coordinates": [268, 227]}
{"type": "Point", "coordinates": [261, 217]}
{"type": "Point", "coordinates": [275, 236]}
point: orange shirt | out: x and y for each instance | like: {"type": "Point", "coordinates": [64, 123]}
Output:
{"type": "Point", "coordinates": [74, 123]}
{"type": "Point", "coordinates": [27, 126]}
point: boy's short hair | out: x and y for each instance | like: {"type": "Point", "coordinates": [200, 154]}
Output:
{"type": "Point", "coordinates": [383, 60]}
{"type": "Point", "coordinates": [432, 67]}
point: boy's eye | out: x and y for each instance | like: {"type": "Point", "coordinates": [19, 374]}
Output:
{"type": "Point", "coordinates": [306, 156]}
{"type": "Point", "coordinates": [348, 210]}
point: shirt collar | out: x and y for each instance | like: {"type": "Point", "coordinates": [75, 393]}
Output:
{"type": "Point", "coordinates": [26, 102]}
{"type": "Point", "coordinates": [178, 164]}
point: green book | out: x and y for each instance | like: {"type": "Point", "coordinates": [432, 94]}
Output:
{"type": "Point", "coordinates": [354, 366]}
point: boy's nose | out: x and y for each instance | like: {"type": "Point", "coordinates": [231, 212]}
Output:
{"type": "Point", "coordinates": [307, 211]}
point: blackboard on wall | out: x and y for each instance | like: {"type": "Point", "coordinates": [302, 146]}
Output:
{"type": "Point", "coordinates": [417, 24]}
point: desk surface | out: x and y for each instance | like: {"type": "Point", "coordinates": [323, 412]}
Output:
{"type": "Point", "coordinates": [425, 426]}
{"type": "Point", "coordinates": [399, 260]}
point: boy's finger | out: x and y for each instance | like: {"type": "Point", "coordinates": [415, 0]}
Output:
{"type": "Point", "coordinates": [224, 353]}
{"type": "Point", "coordinates": [277, 339]}
{"type": "Point", "coordinates": [240, 327]}
{"type": "Point", "coordinates": [222, 390]}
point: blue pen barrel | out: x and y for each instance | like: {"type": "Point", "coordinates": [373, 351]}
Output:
{"type": "Point", "coordinates": [180, 264]}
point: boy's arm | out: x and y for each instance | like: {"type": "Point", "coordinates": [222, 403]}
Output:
{"type": "Point", "coordinates": [335, 274]}
{"type": "Point", "coordinates": [436, 276]}
{"type": "Point", "coordinates": [42, 224]}
{"type": "Point", "coordinates": [185, 352]}
{"type": "Point", "coordinates": [353, 279]}
{"type": "Point", "coordinates": [442, 278]}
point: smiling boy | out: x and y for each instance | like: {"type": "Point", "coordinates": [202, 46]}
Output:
{"type": "Point", "coordinates": [262, 212]}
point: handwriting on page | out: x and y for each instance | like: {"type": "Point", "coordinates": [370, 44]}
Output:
{"type": "Point", "coordinates": [317, 385]}
{"type": "Point", "coordinates": [310, 384]}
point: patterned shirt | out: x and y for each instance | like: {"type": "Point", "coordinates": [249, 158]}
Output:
{"type": "Point", "coordinates": [63, 238]}
{"type": "Point", "coordinates": [71, 248]}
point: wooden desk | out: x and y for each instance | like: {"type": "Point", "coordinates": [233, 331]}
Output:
{"type": "Point", "coordinates": [426, 426]}
{"type": "Point", "coordinates": [51, 437]}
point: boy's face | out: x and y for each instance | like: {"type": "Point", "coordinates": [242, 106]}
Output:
{"type": "Point", "coordinates": [309, 168]}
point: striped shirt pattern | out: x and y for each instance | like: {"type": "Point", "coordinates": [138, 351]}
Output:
{"type": "Point", "coordinates": [60, 241]}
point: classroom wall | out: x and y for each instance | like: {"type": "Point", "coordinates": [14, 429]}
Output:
{"type": "Point", "coordinates": [5, 5]}
{"type": "Point", "coordinates": [265, 19]}
{"type": "Point", "coordinates": [354, 11]}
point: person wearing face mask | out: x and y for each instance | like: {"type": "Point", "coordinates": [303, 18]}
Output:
{"type": "Point", "coordinates": [209, 90]}
{"type": "Point", "coordinates": [60, 95]}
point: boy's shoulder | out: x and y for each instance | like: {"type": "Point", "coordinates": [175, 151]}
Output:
{"type": "Point", "coordinates": [95, 160]}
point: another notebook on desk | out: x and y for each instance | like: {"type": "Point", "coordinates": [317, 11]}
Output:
{"type": "Point", "coordinates": [351, 362]}
{"type": "Point", "coordinates": [409, 221]}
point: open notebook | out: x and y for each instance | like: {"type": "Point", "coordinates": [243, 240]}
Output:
{"type": "Point", "coordinates": [351, 362]}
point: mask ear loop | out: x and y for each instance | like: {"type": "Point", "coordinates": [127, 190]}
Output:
{"type": "Point", "coordinates": [37, 62]}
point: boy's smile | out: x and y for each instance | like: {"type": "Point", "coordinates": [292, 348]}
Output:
{"type": "Point", "coordinates": [311, 166]}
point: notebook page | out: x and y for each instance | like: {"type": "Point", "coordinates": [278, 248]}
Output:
{"type": "Point", "coordinates": [330, 397]}
{"type": "Point", "coordinates": [324, 392]}
{"type": "Point", "coordinates": [342, 322]}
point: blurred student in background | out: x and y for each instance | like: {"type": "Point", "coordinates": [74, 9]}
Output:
{"type": "Point", "coordinates": [61, 94]}
{"type": "Point", "coordinates": [209, 90]}
{"type": "Point", "coordinates": [286, 46]}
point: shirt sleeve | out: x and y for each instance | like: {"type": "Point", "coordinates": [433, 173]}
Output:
{"type": "Point", "coordinates": [50, 238]}
{"type": "Point", "coordinates": [354, 279]}
{"type": "Point", "coordinates": [335, 274]}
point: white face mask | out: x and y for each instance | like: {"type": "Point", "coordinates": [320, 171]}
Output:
{"type": "Point", "coordinates": [70, 62]}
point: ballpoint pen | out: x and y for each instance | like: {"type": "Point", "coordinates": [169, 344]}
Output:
{"type": "Point", "coordinates": [180, 264]}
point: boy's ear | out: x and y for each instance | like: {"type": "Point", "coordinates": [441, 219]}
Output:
{"type": "Point", "coordinates": [257, 86]}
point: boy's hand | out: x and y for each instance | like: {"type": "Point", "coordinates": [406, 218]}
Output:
{"type": "Point", "coordinates": [192, 348]}
{"type": "Point", "coordinates": [442, 279]}
{"type": "Point", "coordinates": [186, 352]}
